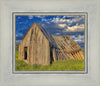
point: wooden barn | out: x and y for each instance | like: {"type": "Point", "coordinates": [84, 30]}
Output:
{"type": "Point", "coordinates": [40, 47]}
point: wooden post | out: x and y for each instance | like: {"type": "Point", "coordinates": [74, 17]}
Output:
{"type": "Point", "coordinates": [54, 54]}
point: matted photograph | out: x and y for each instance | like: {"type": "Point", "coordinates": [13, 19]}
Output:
{"type": "Point", "coordinates": [50, 42]}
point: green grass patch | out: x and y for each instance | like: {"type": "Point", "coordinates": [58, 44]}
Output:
{"type": "Point", "coordinates": [17, 54]}
{"type": "Point", "coordinates": [70, 65]}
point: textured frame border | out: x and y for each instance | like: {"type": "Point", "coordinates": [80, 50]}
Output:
{"type": "Point", "coordinates": [92, 78]}
{"type": "Point", "coordinates": [50, 13]}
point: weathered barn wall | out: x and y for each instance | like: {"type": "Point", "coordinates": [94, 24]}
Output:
{"type": "Point", "coordinates": [38, 50]}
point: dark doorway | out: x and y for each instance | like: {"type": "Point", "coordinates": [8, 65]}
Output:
{"type": "Point", "coordinates": [25, 53]}
{"type": "Point", "coordinates": [51, 55]}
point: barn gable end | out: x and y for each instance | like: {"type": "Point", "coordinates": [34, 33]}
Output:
{"type": "Point", "coordinates": [37, 47]}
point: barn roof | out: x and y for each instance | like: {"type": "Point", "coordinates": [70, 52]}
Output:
{"type": "Point", "coordinates": [48, 36]}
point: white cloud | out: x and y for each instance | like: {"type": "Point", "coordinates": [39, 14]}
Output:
{"type": "Point", "coordinates": [62, 25]}
{"type": "Point", "coordinates": [73, 37]}
{"type": "Point", "coordinates": [63, 20]}
{"type": "Point", "coordinates": [30, 17]}
{"type": "Point", "coordinates": [16, 35]}
{"type": "Point", "coordinates": [64, 16]}
{"type": "Point", "coordinates": [19, 35]}
{"type": "Point", "coordinates": [78, 39]}
{"type": "Point", "coordinates": [40, 16]}
{"type": "Point", "coordinates": [58, 20]}
{"type": "Point", "coordinates": [76, 19]}
{"type": "Point", "coordinates": [44, 19]}
{"type": "Point", "coordinates": [75, 28]}
{"type": "Point", "coordinates": [48, 22]}
{"type": "Point", "coordinates": [19, 17]}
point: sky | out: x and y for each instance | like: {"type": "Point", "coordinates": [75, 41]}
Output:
{"type": "Point", "coordinates": [73, 26]}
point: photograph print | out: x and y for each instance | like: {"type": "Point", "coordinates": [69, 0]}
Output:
{"type": "Point", "coordinates": [50, 42]}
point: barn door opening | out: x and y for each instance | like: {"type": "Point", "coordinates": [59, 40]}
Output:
{"type": "Point", "coordinates": [51, 55]}
{"type": "Point", "coordinates": [25, 53]}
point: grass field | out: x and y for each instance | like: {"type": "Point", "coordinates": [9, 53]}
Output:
{"type": "Point", "coordinates": [58, 65]}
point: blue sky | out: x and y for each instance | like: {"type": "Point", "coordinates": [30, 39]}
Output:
{"type": "Point", "coordinates": [73, 26]}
